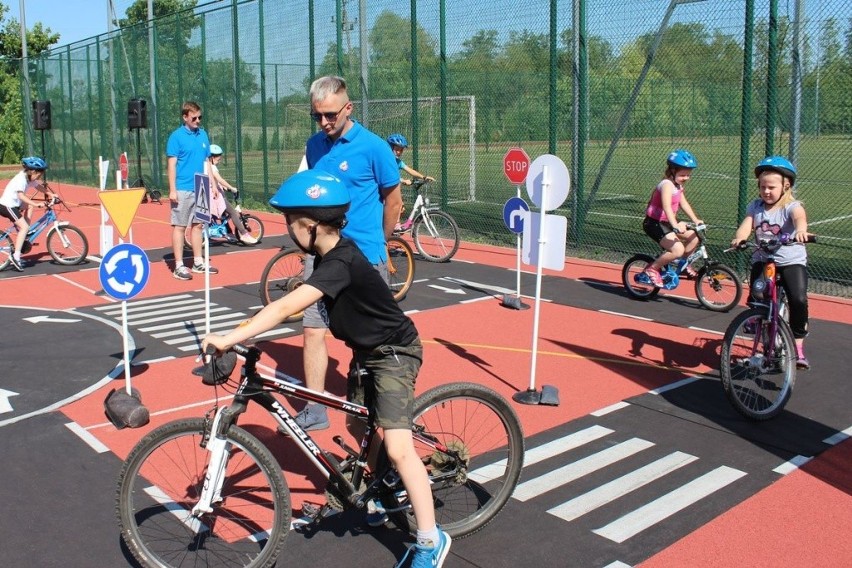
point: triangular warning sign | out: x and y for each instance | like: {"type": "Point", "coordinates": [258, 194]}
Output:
{"type": "Point", "coordinates": [121, 206]}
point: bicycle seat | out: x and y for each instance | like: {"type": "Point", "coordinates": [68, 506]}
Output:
{"type": "Point", "coordinates": [217, 370]}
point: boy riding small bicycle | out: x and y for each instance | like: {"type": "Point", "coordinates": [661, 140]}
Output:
{"type": "Point", "coordinates": [16, 206]}
{"type": "Point", "coordinates": [360, 309]}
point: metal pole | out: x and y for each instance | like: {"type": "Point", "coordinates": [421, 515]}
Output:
{"type": "Point", "coordinates": [365, 51]}
{"type": "Point", "coordinates": [25, 81]}
{"type": "Point", "coordinates": [796, 110]}
{"type": "Point", "coordinates": [152, 69]}
{"type": "Point", "coordinates": [772, 78]}
{"type": "Point", "coordinates": [745, 128]}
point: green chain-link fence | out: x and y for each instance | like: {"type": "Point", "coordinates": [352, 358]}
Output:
{"type": "Point", "coordinates": [610, 86]}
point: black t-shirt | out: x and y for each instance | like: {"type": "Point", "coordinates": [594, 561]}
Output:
{"type": "Point", "coordinates": [361, 308]}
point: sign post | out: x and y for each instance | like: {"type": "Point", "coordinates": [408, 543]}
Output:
{"type": "Point", "coordinates": [203, 216]}
{"type": "Point", "coordinates": [516, 165]}
{"type": "Point", "coordinates": [548, 185]}
{"type": "Point", "coordinates": [123, 273]}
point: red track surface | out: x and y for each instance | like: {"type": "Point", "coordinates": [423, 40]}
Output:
{"type": "Point", "coordinates": [592, 358]}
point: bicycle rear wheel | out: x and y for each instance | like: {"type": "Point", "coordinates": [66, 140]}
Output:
{"type": "Point", "coordinates": [472, 444]}
{"type": "Point", "coordinates": [7, 248]}
{"type": "Point", "coordinates": [161, 481]}
{"type": "Point", "coordinates": [436, 236]}
{"type": "Point", "coordinates": [718, 287]}
{"type": "Point", "coordinates": [67, 245]}
{"type": "Point", "coordinates": [400, 267]}
{"type": "Point", "coordinates": [283, 273]}
{"type": "Point", "coordinates": [758, 371]}
{"type": "Point", "coordinates": [635, 282]}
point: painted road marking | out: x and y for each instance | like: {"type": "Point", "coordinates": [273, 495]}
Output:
{"type": "Point", "coordinates": [662, 508]}
{"type": "Point", "coordinates": [88, 437]}
{"type": "Point", "coordinates": [580, 468]}
{"type": "Point", "coordinates": [179, 321]}
{"type": "Point", "coordinates": [609, 492]}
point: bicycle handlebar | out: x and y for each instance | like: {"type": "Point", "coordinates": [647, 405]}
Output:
{"type": "Point", "coordinates": [784, 239]}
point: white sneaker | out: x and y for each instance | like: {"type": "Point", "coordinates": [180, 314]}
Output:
{"type": "Point", "coordinates": [248, 239]}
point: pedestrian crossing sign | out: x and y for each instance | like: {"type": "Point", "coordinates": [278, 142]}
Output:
{"type": "Point", "coordinates": [121, 206]}
{"type": "Point", "coordinates": [202, 198]}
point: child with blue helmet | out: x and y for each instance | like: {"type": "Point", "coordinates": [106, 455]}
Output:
{"type": "Point", "coordinates": [661, 222]}
{"type": "Point", "coordinates": [360, 310]}
{"type": "Point", "coordinates": [777, 211]}
{"type": "Point", "coordinates": [398, 144]}
{"type": "Point", "coordinates": [17, 206]}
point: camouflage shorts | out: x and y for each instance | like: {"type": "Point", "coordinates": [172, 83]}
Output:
{"type": "Point", "coordinates": [389, 381]}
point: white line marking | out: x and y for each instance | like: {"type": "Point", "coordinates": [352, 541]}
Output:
{"type": "Point", "coordinates": [181, 514]}
{"type": "Point", "coordinates": [640, 318]}
{"type": "Point", "coordinates": [90, 291]}
{"type": "Point", "coordinates": [660, 509]}
{"type": "Point", "coordinates": [87, 437]}
{"type": "Point", "coordinates": [618, 564]}
{"type": "Point", "coordinates": [135, 308]}
{"type": "Point", "coordinates": [580, 468]}
{"type": "Point", "coordinates": [148, 301]}
{"type": "Point", "coordinates": [182, 324]}
{"type": "Point", "coordinates": [674, 385]}
{"type": "Point", "coordinates": [705, 330]}
{"type": "Point", "coordinates": [839, 437]}
{"type": "Point", "coordinates": [543, 452]}
{"type": "Point", "coordinates": [230, 320]}
{"type": "Point", "coordinates": [792, 465]}
{"type": "Point", "coordinates": [472, 300]}
{"type": "Point", "coordinates": [611, 408]}
{"type": "Point", "coordinates": [137, 322]}
{"type": "Point", "coordinates": [609, 492]}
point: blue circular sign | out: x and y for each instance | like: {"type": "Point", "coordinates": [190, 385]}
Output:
{"type": "Point", "coordinates": [124, 271]}
{"type": "Point", "coordinates": [514, 213]}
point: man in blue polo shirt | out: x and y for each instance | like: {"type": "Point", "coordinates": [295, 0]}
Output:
{"type": "Point", "coordinates": [187, 151]}
{"type": "Point", "coordinates": [365, 163]}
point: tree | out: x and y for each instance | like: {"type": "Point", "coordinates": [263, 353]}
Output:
{"type": "Point", "coordinates": [12, 120]}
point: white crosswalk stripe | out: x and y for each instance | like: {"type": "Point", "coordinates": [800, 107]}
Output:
{"type": "Point", "coordinates": [180, 320]}
{"type": "Point", "coordinates": [667, 498]}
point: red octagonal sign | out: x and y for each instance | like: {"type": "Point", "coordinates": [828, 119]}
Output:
{"type": "Point", "coordinates": [516, 164]}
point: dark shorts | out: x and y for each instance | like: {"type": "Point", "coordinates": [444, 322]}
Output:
{"type": "Point", "coordinates": [656, 229]}
{"type": "Point", "coordinates": [11, 213]}
{"type": "Point", "coordinates": [391, 374]}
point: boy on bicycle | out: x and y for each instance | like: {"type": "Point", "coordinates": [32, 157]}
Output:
{"type": "Point", "coordinates": [14, 202]}
{"type": "Point", "coordinates": [359, 309]}
{"type": "Point", "coordinates": [398, 144]}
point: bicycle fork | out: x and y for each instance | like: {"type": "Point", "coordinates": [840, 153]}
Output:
{"type": "Point", "coordinates": [214, 478]}
{"type": "Point", "coordinates": [56, 226]}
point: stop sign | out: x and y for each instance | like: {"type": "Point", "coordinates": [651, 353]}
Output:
{"type": "Point", "coordinates": [516, 164]}
{"type": "Point", "coordinates": [122, 167]}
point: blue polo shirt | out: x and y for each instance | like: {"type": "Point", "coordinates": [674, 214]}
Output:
{"type": "Point", "coordinates": [366, 164]}
{"type": "Point", "coordinates": [191, 148]}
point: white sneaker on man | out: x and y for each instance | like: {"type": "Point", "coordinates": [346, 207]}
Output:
{"type": "Point", "coordinates": [248, 239]}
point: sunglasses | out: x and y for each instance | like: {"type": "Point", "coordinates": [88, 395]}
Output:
{"type": "Point", "coordinates": [328, 116]}
{"type": "Point", "coordinates": [195, 118]}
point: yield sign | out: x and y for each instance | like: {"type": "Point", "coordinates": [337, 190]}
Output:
{"type": "Point", "coordinates": [121, 206]}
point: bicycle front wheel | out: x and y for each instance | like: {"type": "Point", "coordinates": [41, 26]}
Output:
{"type": "Point", "coordinates": [758, 370]}
{"type": "Point", "coordinates": [7, 248]}
{"type": "Point", "coordinates": [436, 236]}
{"type": "Point", "coordinates": [161, 481]}
{"type": "Point", "coordinates": [718, 288]}
{"type": "Point", "coordinates": [400, 267]}
{"type": "Point", "coordinates": [67, 245]}
{"type": "Point", "coordinates": [472, 444]}
{"type": "Point", "coordinates": [254, 226]}
{"type": "Point", "coordinates": [283, 273]}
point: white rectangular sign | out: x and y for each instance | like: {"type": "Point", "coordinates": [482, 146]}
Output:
{"type": "Point", "coordinates": [556, 230]}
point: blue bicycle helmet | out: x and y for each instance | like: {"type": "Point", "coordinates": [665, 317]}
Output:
{"type": "Point", "coordinates": [34, 163]}
{"type": "Point", "coordinates": [216, 150]}
{"type": "Point", "coordinates": [315, 193]}
{"type": "Point", "coordinates": [682, 159]}
{"type": "Point", "coordinates": [398, 140]}
{"type": "Point", "coordinates": [777, 164]}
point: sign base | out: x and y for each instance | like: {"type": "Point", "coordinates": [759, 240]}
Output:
{"type": "Point", "coordinates": [513, 302]}
{"type": "Point", "coordinates": [549, 396]}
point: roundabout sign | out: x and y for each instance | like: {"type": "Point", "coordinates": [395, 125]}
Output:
{"type": "Point", "coordinates": [124, 271]}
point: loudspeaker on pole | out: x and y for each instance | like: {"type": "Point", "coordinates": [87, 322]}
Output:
{"type": "Point", "coordinates": [41, 115]}
{"type": "Point", "coordinates": [137, 114]}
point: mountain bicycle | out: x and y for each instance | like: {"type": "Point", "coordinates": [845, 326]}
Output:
{"type": "Point", "coordinates": [758, 357]}
{"type": "Point", "coordinates": [435, 233]}
{"type": "Point", "coordinates": [717, 286]}
{"type": "Point", "coordinates": [207, 492]}
{"type": "Point", "coordinates": [219, 230]}
{"type": "Point", "coordinates": [285, 272]}
{"type": "Point", "coordinates": [66, 243]}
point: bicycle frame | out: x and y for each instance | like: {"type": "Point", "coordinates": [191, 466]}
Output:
{"type": "Point", "coordinates": [258, 388]}
{"type": "Point", "coordinates": [48, 221]}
